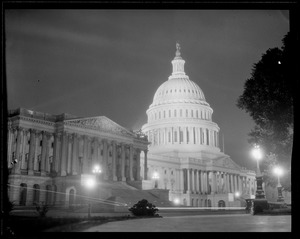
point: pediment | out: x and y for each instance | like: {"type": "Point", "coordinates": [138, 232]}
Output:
{"type": "Point", "coordinates": [227, 163]}
{"type": "Point", "coordinates": [100, 123]}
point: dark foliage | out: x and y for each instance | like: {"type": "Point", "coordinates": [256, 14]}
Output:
{"type": "Point", "coordinates": [268, 97]}
{"type": "Point", "coordinates": [144, 208]}
{"type": "Point", "coordinates": [42, 209]}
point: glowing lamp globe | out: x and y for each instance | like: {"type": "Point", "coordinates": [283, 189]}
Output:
{"type": "Point", "coordinates": [278, 171]}
{"type": "Point", "coordinates": [256, 153]}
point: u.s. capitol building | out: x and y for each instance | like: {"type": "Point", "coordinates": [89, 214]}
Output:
{"type": "Point", "coordinates": [177, 157]}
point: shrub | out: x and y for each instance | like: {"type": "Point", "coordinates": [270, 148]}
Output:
{"type": "Point", "coordinates": [144, 208]}
{"type": "Point", "coordinates": [42, 209]}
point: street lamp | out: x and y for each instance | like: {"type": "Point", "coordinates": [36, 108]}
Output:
{"type": "Point", "coordinates": [279, 172]}
{"type": "Point", "coordinates": [155, 176]}
{"type": "Point", "coordinates": [260, 202]}
{"type": "Point", "coordinates": [257, 154]}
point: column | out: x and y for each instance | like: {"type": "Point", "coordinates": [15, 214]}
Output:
{"type": "Point", "coordinates": [23, 149]}
{"type": "Point", "coordinates": [193, 180]}
{"type": "Point", "coordinates": [48, 145]}
{"type": "Point", "coordinates": [201, 182]}
{"type": "Point", "coordinates": [145, 165]}
{"type": "Point", "coordinates": [231, 183]}
{"type": "Point", "coordinates": [240, 184]}
{"type": "Point", "coordinates": [75, 154]}
{"type": "Point", "coordinates": [105, 154]}
{"type": "Point", "coordinates": [228, 182]}
{"type": "Point", "coordinates": [191, 135]}
{"type": "Point", "coordinates": [17, 166]}
{"type": "Point", "coordinates": [31, 152]}
{"type": "Point", "coordinates": [181, 180]}
{"type": "Point", "coordinates": [207, 181]}
{"type": "Point", "coordinates": [114, 161]}
{"type": "Point", "coordinates": [188, 181]}
{"type": "Point", "coordinates": [197, 182]}
{"type": "Point", "coordinates": [213, 186]}
{"type": "Point", "coordinates": [235, 183]}
{"type": "Point", "coordinates": [44, 151]}
{"type": "Point", "coordinates": [9, 145]}
{"type": "Point", "coordinates": [69, 153]}
{"type": "Point", "coordinates": [56, 156]}
{"type": "Point", "coordinates": [138, 166]}
{"type": "Point", "coordinates": [131, 162]}
{"type": "Point", "coordinates": [63, 154]}
{"type": "Point", "coordinates": [204, 182]}
{"type": "Point", "coordinates": [123, 163]}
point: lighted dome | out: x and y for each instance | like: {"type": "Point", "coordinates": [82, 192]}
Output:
{"type": "Point", "coordinates": [179, 90]}
{"type": "Point", "coordinates": [179, 118]}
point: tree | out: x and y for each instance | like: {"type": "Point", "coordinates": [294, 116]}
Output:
{"type": "Point", "coordinates": [268, 97]}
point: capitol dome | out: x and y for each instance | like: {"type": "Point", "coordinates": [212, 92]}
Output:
{"type": "Point", "coordinates": [179, 118]}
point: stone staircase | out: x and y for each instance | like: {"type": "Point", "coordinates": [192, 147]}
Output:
{"type": "Point", "coordinates": [123, 196]}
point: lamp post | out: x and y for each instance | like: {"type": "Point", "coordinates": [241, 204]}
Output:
{"type": "Point", "coordinates": [257, 154]}
{"type": "Point", "coordinates": [278, 171]}
{"type": "Point", "coordinates": [260, 202]}
{"type": "Point", "coordinates": [155, 176]}
{"type": "Point", "coordinates": [90, 183]}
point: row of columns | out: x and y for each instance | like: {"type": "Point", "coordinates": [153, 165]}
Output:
{"type": "Point", "coordinates": [71, 154]}
{"type": "Point", "coordinates": [183, 113]}
{"type": "Point", "coordinates": [183, 135]}
{"type": "Point", "coordinates": [211, 182]}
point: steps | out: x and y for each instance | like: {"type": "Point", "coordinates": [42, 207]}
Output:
{"type": "Point", "coordinates": [124, 196]}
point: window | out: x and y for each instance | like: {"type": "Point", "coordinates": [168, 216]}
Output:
{"type": "Point", "coordinates": [207, 137]}
{"type": "Point", "coordinates": [197, 116]}
{"type": "Point", "coordinates": [175, 136]}
{"type": "Point", "coordinates": [191, 113]}
{"type": "Point", "coordinates": [181, 136]}
{"type": "Point", "coordinates": [169, 136]}
{"type": "Point", "coordinates": [186, 113]}
{"type": "Point", "coordinates": [180, 112]}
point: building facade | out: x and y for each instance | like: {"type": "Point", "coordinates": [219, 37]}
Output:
{"type": "Point", "coordinates": [49, 156]}
{"type": "Point", "coordinates": [184, 154]}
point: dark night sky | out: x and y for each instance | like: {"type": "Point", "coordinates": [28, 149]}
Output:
{"type": "Point", "coordinates": [111, 62]}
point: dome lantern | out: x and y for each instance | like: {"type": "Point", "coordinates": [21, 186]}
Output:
{"type": "Point", "coordinates": [178, 62]}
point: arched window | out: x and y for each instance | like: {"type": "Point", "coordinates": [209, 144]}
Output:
{"type": "Point", "coordinates": [221, 203]}
{"type": "Point", "coordinates": [71, 198]}
{"type": "Point", "coordinates": [48, 194]}
{"type": "Point", "coordinates": [23, 194]}
{"type": "Point", "coordinates": [54, 187]}
{"type": "Point", "coordinates": [36, 194]}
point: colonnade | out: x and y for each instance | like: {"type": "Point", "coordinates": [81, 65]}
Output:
{"type": "Point", "coordinates": [211, 182]}
{"type": "Point", "coordinates": [41, 152]}
{"type": "Point", "coordinates": [183, 135]}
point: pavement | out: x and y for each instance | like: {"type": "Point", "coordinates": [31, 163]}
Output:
{"type": "Point", "coordinates": [200, 223]}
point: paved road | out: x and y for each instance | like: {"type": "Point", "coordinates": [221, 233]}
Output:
{"type": "Point", "coordinates": [200, 223]}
